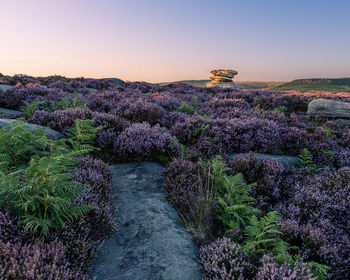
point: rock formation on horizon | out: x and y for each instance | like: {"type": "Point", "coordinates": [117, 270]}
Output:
{"type": "Point", "coordinates": [222, 78]}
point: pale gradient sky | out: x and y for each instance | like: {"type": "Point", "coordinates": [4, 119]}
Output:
{"type": "Point", "coordinates": [169, 40]}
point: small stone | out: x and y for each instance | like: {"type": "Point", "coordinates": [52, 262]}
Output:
{"type": "Point", "coordinates": [221, 84]}
{"type": "Point", "coordinates": [131, 176]}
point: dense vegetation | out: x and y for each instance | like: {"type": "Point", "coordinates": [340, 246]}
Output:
{"type": "Point", "coordinates": [253, 219]}
{"type": "Point", "coordinates": [239, 84]}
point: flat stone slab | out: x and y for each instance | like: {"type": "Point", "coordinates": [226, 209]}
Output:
{"type": "Point", "coordinates": [10, 114]}
{"type": "Point", "coordinates": [91, 90]}
{"type": "Point", "coordinates": [53, 134]}
{"type": "Point", "coordinates": [288, 162]}
{"type": "Point", "coordinates": [150, 243]}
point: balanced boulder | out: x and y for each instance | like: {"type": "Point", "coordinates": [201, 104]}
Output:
{"type": "Point", "coordinates": [222, 78]}
{"type": "Point", "coordinates": [224, 73]}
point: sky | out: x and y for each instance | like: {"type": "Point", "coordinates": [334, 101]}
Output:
{"type": "Point", "coordinates": [170, 40]}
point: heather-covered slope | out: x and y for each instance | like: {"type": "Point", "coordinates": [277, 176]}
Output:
{"type": "Point", "coordinates": [193, 131]}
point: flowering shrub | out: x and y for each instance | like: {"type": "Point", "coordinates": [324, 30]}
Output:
{"type": "Point", "coordinates": [63, 120]}
{"type": "Point", "coordinates": [209, 137]}
{"type": "Point", "coordinates": [37, 260]}
{"type": "Point", "coordinates": [224, 259]}
{"type": "Point", "coordinates": [144, 112]}
{"type": "Point", "coordinates": [187, 189]}
{"type": "Point", "coordinates": [270, 270]}
{"type": "Point", "coordinates": [316, 217]}
{"type": "Point", "coordinates": [51, 238]}
{"type": "Point", "coordinates": [141, 141]}
{"type": "Point", "coordinates": [266, 173]}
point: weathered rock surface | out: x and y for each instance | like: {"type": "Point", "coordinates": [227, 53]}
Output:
{"type": "Point", "coordinates": [150, 244]}
{"type": "Point", "coordinates": [10, 114]}
{"type": "Point", "coordinates": [53, 134]}
{"type": "Point", "coordinates": [91, 90]}
{"type": "Point", "coordinates": [288, 162]}
{"type": "Point", "coordinates": [5, 87]}
{"type": "Point", "coordinates": [222, 78]}
{"type": "Point", "coordinates": [221, 84]}
{"type": "Point", "coordinates": [224, 73]}
{"type": "Point", "coordinates": [329, 108]}
{"type": "Point", "coordinates": [115, 81]}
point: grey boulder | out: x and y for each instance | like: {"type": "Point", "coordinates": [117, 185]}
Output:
{"type": "Point", "coordinates": [5, 87]}
{"type": "Point", "coordinates": [288, 162]}
{"type": "Point", "coordinates": [10, 114]}
{"type": "Point", "coordinates": [329, 108]}
{"type": "Point", "coordinates": [115, 81]}
{"type": "Point", "coordinates": [91, 90]}
{"type": "Point", "coordinates": [53, 134]}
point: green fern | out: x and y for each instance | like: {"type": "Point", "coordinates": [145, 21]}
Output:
{"type": "Point", "coordinates": [18, 144]}
{"type": "Point", "coordinates": [83, 135]}
{"type": "Point", "coordinates": [262, 236]}
{"type": "Point", "coordinates": [205, 116]}
{"type": "Point", "coordinates": [42, 194]}
{"type": "Point", "coordinates": [199, 130]}
{"type": "Point", "coordinates": [233, 195]}
{"type": "Point", "coordinates": [185, 152]}
{"type": "Point", "coordinates": [210, 139]}
{"type": "Point", "coordinates": [329, 132]}
{"type": "Point", "coordinates": [318, 270]}
{"type": "Point", "coordinates": [30, 108]}
{"type": "Point", "coordinates": [36, 178]}
{"type": "Point", "coordinates": [306, 161]}
{"type": "Point", "coordinates": [64, 103]}
{"type": "Point", "coordinates": [217, 173]}
{"type": "Point", "coordinates": [187, 109]}
{"type": "Point", "coordinates": [196, 102]}
{"type": "Point", "coordinates": [329, 154]}
{"type": "Point", "coordinates": [236, 204]}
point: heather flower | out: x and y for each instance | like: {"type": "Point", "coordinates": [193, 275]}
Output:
{"type": "Point", "coordinates": [270, 270]}
{"type": "Point", "coordinates": [224, 259]}
{"type": "Point", "coordinates": [141, 141]}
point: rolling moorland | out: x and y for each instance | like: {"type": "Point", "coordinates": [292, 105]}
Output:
{"type": "Point", "coordinates": [335, 85]}
{"type": "Point", "coordinates": [259, 181]}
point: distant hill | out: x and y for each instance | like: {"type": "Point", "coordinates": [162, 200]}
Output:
{"type": "Point", "coordinates": [342, 84]}
{"type": "Point", "coordinates": [240, 84]}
